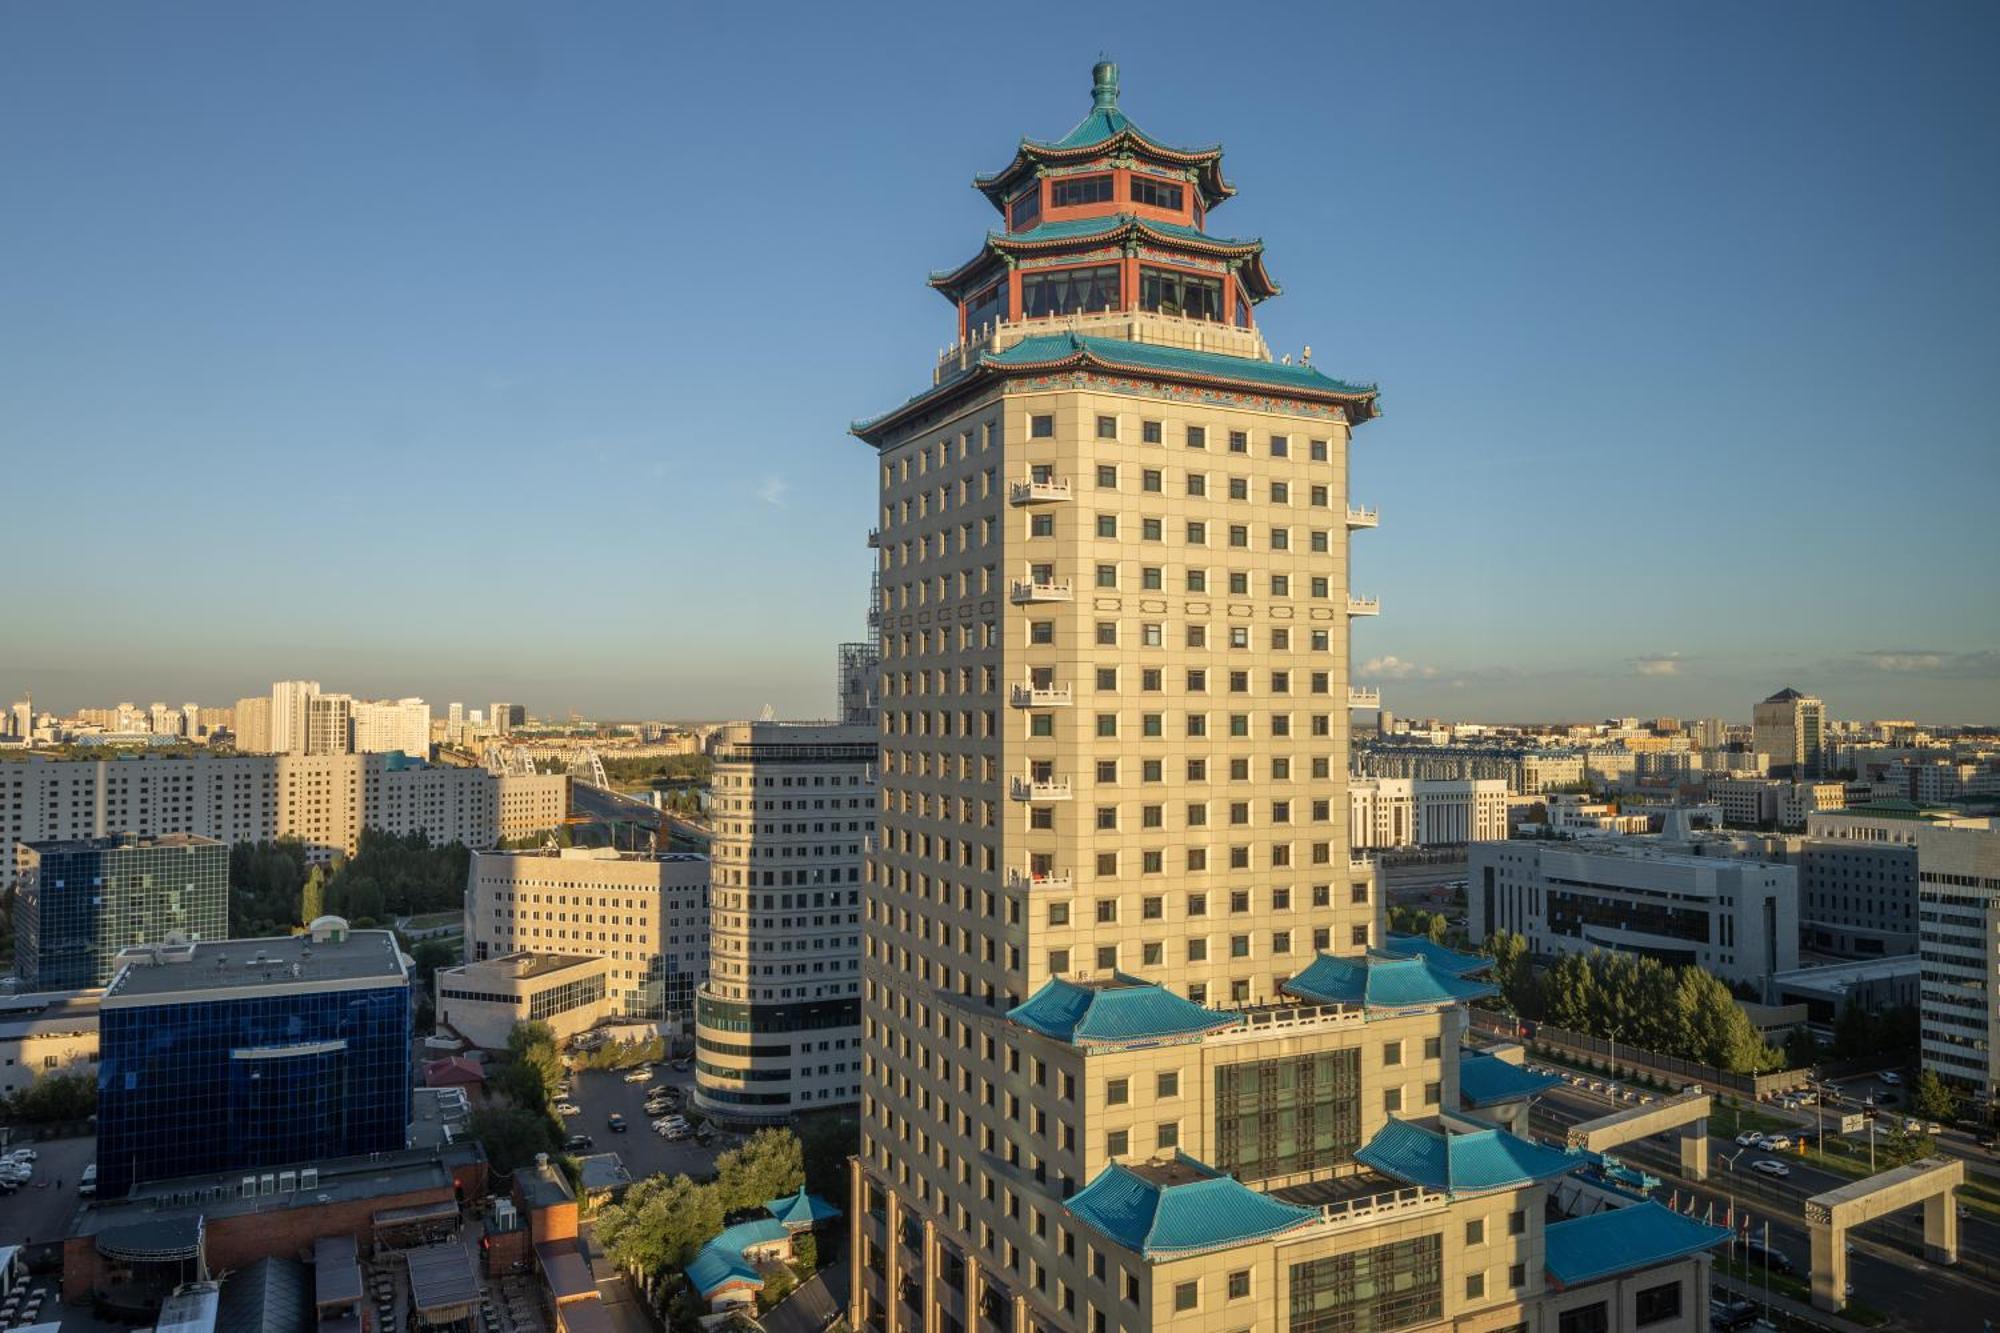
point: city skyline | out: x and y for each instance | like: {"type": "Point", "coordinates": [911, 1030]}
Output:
{"type": "Point", "coordinates": [383, 386]}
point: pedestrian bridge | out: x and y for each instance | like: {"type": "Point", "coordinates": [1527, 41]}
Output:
{"type": "Point", "coordinates": [1829, 1215]}
{"type": "Point", "coordinates": [1687, 1112]}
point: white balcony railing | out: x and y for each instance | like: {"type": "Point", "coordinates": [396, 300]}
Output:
{"type": "Point", "coordinates": [1363, 606]}
{"type": "Point", "coordinates": [1363, 696]}
{"type": "Point", "coordinates": [1360, 516]}
{"type": "Point", "coordinates": [1371, 1207]}
{"type": "Point", "coordinates": [1040, 789]}
{"type": "Point", "coordinates": [1038, 492]}
{"type": "Point", "coordinates": [1027, 590]}
{"type": "Point", "coordinates": [1027, 879]}
{"type": "Point", "coordinates": [1041, 696]}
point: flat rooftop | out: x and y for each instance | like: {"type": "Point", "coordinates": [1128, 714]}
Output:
{"type": "Point", "coordinates": [524, 966]}
{"type": "Point", "coordinates": [1338, 1189]}
{"type": "Point", "coordinates": [48, 1013]}
{"type": "Point", "coordinates": [135, 841]}
{"type": "Point", "coordinates": [220, 1195]}
{"type": "Point", "coordinates": [219, 968]}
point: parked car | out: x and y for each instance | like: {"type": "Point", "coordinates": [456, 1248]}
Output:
{"type": "Point", "coordinates": [670, 1131]}
{"type": "Point", "coordinates": [1771, 1166]}
{"type": "Point", "coordinates": [86, 1187]}
{"type": "Point", "coordinates": [22, 1155]}
{"type": "Point", "coordinates": [579, 1143]}
{"type": "Point", "coordinates": [568, 1108]}
{"type": "Point", "coordinates": [681, 1064]}
{"type": "Point", "coordinates": [638, 1075]}
{"type": "Point", "coordinates": [616, 1123]}
{"type": "Point", "coordinates": [1933, 1127]}
{"type": "Point", "coordinates": [1890, 1078]}
{"type": "Point", "coordinates": [1748, 1138]}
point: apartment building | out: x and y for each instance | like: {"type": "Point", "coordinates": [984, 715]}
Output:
{"type": "Point", "coordinates": [646, 913]}
{"type": "Point", "coordinates": [778, 1027]}
{"type": "Point", "coordinates": [1386, 813]}
{"type": "Point", "coordinates": [1735, 917]}
{"type": "Point", "coordinates": [385, 726]}
{"type": "Point", "coordinates": [325, 801]}
{"type": "Point", "coordinates": [1133, 1059]}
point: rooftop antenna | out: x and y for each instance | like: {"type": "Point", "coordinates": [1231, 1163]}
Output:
{"type": "Point", "coordinates": [768, 714]}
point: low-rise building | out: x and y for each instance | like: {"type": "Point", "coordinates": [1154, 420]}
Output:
{"type": "Point", "coordinates": [483, 1001]}
{"type": "Point", "coordinates": [47, 1033]}
{"type": "Point", "coordinates": [646, 914]}
{"type": "Point", "coordinates": [1736, 918]}
{"type": "Point", "coordinates": [1424, 812]}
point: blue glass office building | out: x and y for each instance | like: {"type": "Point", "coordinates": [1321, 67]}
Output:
{"type": "Point", "coordinates": [253, 1054]}
{"type": "Point", "coordinates": [82, 901]}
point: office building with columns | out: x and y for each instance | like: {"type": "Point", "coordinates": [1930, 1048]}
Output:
{"type": "Point", "coordinates": [1136, 1053]}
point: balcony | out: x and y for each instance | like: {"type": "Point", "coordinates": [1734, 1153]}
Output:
{"type": "Point", "coordinates": [1360, 863]}
{"type": "Point", "coordinates": [1360, 516]}
{"type": "Point", "coordinates": [1039, 789]}
{"type": "Point", "coordinates": [1363, 606]}
{"type": "Point", "coordinates": [1040, 696]}
{"type": "Point", "coordinates": [1026, 591]}
{"type": "Point", "coordinates": [874, 538]}
{"type": "Point", "coordinates": [1363, 696]}
{"type": "Point", "coordinates": [1027, 879]}
{"type": "Point", "coordinates": [1375, 1209]}
{"type": "Point", "coordinates": [1037, 492]}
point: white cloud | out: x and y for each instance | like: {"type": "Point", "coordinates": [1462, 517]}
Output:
{"type": "Point", "coordinates": [1667, 665]}
{"type": "Point", "coordinates": [772, 491]}
{"type": "Point", "coordinates": [1904, 661]}
{"type": "Point", "coordinates": [1392, 667]}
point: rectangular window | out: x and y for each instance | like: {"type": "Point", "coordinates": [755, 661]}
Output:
{"type": "Point", "coordinates": [1187, 1295]}
{"type": "Point", "coordinates": [1287, 1115]}
{"type": "Point", "coordinates": [1069, 291]}
{"type": "Point", "coordinates": [1026, 207]}
{"type": "Point", "coordinates": [1387, 1287]}
{"type": "Point", "coordinates": [1069, 191]}
{"type": "Point", "coordinates": [1156, 193]}
{"type": "Point", "coordinates": [1585, 1319]}
{"type": "Point", "coordinates": [1042, 426]}
{"type": "Point", "coordinates": [1655, 1305]}
{"type": "Point", "coordinates": [1107, 428]}
{"type": "Point", "coordinates": [1149, 433]}
{"type": "Point", "coordinates": [1171, 292]}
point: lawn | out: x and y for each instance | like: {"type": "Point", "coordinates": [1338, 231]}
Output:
{"type": "Point", "coordinates": [1782, 1284]}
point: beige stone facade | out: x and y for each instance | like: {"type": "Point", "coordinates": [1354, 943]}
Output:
{"type": "Point", "coordinates": [47, 1033]}
{"type": "Point", "coordinates": [483, 1001]}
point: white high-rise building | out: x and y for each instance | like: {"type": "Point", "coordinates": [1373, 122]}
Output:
{"type": "Point", "coordinates": [250, 722]}
{"type": "Point", "coordinates": [1958, 928]}
{"type": "Point", "coordinates": [383, 726]}
{"type": "Point", "coordinates": [288, 715]}
{"type": "Point", "coordinates": [329, 724]}
{"type": "Point", "coordinates": [164, 721]}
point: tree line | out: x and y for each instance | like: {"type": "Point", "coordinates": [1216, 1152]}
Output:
{"type": "Point", "coordinates": [663, 1220]}
{"type": "Point", "coordinates": [1636, 1000]}
{"type": "Point", "coordinates": [275, 887]}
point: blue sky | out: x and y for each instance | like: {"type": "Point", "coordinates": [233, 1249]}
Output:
{"type": "Point", "coordinates": [408, 347]}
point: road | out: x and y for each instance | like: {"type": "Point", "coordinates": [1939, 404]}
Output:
{"type": "Point", "coordinates": [1884, 1254]}
{"type": "Point", "coordinates": [612, 807]}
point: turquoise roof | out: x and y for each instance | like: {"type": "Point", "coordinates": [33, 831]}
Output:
{"type": "Point", "coordinates": [721, 1261]}
{"type": "Point", "coordinates": [1163, 1209]}
{"type": "Point", "coordinates": [1382, 981]}
{"type": "Point", "coordinates": [1073, 228]}
{"type": "Point", "coordinates": [1118, 352]}
{"type": "Point", "coordinates": [1461, 1163]}
{"type": "Point", "coordinates": [1057, 351]}
{"type": "Point", "coordinates": [802, 1209]}
{"type": "Point", "coordinates": [1486, 1080]}
{"type": "Point", "coordinates": [1443, 959]}
{"type": "Point", "coordinates": [1125, 1012]}
{"type": "Point", "coordinates": [1622, 1240]}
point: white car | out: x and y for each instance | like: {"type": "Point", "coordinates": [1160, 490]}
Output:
{"type": "Point", "coordinates": [639, 1075]}
{"type": "Point", "coordinates": [1933, 1127]}
{"type": "Point", "coordinates": [1749, 1138]}
{"type": "Point", "coordinates": [1776, 1143]}
{"type": "Point", "coordinates": [568, 1108]}
{"type": "Point", "coordinates": [21, 1155]}
{"type": "Point", "coordinates": [1771, 1166]}
{"type": "Point", "coordinates": [1892, 1079]}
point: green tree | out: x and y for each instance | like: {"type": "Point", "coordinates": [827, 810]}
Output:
{"type": "Point", "coordinates": [1933, 1098]}
{"type": "Point", "coordinates": [513, 1135]}
{"type": "Point", "coordinates": [768, 1166]}
{"type": "Point", "coordinates": [54, 1098]}
{"type": "Point", "coordinates": [312, 897]}
{"type": "Point", "coordinates": [660, 1223]}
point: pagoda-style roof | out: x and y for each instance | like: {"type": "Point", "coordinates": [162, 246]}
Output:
{"type": "Point", "coordinates": [1107, 132]}
{"type": "Point", "coordinates": [1174, 1208]}
{"type": "Point", "coordinates": [1449, 961]}
{"type": "Point", "coordinates": [722, 1263]}
{"type": "Point", "coordinates": [1074, 351]}
{"type": "Point", "coordinates": [1053, 237]}
{"type": "Point", "coordinates": [802, 1209]}
{"type": "Point", "coordinates": [1623, 1240]}
{"type": "Point", "coordinates": [1121, 1012]}
{"type": "Point", "coordinates": [1455, 1161]}
{"type": "Point", "coordinates": [1378, 980]}
{"type": "Point", "coordinates": [1487, 1080]}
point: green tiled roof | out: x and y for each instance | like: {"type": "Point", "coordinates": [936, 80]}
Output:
{"type": "Point", "coordinates": [802, 1209]}
{"type": "Point", "coordinates": [1117, 352]}
{"type": "Point", "coordinates": [1072, 228]}
{"type": "Point", "coordinates": [1449, 961]}
{"type": "Point", "coordinates": [1124, 1013]}
{"type": "Point", "coordinates": [721, 1263]}
{"type": "Point", "coordinates": [1460, 1163]}
{"type": "Point", "coordinates": [1487, 1080]}
{"type": "Point", "coordinates": [1382, 981]}
{"type": "Point", "coordinates": [1056, 351]}
{"type": "Point", "coordinates": [1163, 1210]}
{"type": "Point", "coordinates": [1623, 1240]}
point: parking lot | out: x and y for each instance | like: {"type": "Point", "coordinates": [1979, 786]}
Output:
{"type": "Point", "coordinates": [600, 1092]}
{"type": "Point", "coordinates": [41, 1209]}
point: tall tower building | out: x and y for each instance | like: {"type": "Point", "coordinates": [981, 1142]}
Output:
{"type": "Point", "coordinates": [778, 1024]}
{"type": "Point", "coordinates": [1136, 1055]}
{"type": "Point", "coordinates": [1790, 727]}
{"type": "Point", "coordinates": [288, 714]}
{"type": "Point", "coordinates": [329, 724]}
